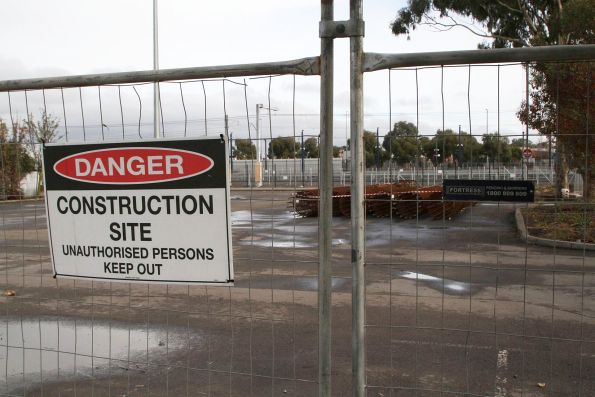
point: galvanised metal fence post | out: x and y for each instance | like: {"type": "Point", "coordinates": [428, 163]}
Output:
{"type": "Point", "coordinates": [326, 204]}
{"type": "Point", "coordinates": [357, 203]}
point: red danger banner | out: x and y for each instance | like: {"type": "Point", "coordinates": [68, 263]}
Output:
{"type": "Point", "coordinates": [132, 165]}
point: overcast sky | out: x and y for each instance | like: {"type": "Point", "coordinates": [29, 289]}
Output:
{"type": "Point", "coordinates": [65, 37]}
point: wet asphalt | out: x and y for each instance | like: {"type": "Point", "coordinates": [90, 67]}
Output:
{"type": "Point", "coordinates": [453, 307]}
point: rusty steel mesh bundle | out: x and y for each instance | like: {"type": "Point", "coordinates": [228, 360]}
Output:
{"type": "Point", "coordinates": [403, 200]}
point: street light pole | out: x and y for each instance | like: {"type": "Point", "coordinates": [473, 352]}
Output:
{"type": "Point", "coordinates": [258, 170]}
{"type": "Point", "coordinates": [303, 165]}
{"type": "Point", "coordinates": [459, 154]}
{"type": "Point", "coordinates": [231, 154]}
{"type": "Point", "coordinates": [258, 166]}
{"type": "Point", "coordinates": [258, 107]}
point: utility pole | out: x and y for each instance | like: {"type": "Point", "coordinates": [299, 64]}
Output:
{"type": "Point", "coordinates": [258, 169]}
{"type": "Point", "coordinates": [258, 107]}
{"type": "Point", "coordinates": [459, 154]}
{"type": "Point", "coordinates": [227, 134]}
{"type": "Point", "coordinates": [156, 93]}
{"type": "Point", "coordinates": [347, 125]}
{"type": "Point", "coordinates": [525, 162]}
{"type": "Point", "coordinates": [257, 165]}
{"type": "Point", "coordinates": [303, 165]}
{"type": "Point", "coordinates": [266, 165]}
{"type": "Point", "coordinates": [443, 154]}
{"type": "Point", "coordinates": [377, 150]}
{"type": "Point", "coordinates": [436, 158]}
{"type": "Point", "coordinates": [231, 154]}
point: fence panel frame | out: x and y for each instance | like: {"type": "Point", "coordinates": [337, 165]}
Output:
{"type": "Point", "coordinates": [323, 65]}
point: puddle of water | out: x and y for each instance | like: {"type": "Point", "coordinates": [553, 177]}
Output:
{"type": "Point", "coordinates": [281, 230]}
{"type": "Point", "coordinates": [301, 228]}
{"type": "Point", "coordinates": [287, 241]}
{"type": "Point", "coordinates": [279, 242]}
{"type": "Point", "coordinates": [450, 286]}
{"type": "Point", "coordinates": [382, 236]}
{"type": "Point", "coordinates": [310, 283]}
{"type": "Point", "coordinates": [298, 283]}
{"type": "Point", "coordinates": [48, 348]}
{"type": "Point", "coordinates": [382, 232]}
{"type": "Point", "coordinates": [259, 220]}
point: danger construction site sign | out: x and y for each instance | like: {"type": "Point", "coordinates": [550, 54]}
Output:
{"type": "Point", "coordinates": [144, 211]}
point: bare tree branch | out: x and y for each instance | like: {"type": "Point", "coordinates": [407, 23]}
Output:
{"type": "Point", "coordinates": [509, 7]}
{"type": "Point", "coordinates": [560, 36]}
{"type": "Point", "coordinates": [527, 17]}
{"type": "Point", "coordinates": [435, 23]}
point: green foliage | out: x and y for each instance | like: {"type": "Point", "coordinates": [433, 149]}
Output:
{"type": "Point", "coordinates": [370, 148]}
{"type": "Point", "coordinates": [404, 128]}
{"type": "Point", "coordinates": [283, 148]}
{"type": "Point", "coordinates": [402, 144]}
{"type": "Point", "coordinates": [509, 23]}
{"type": "Point", "coordinates": [561, 106]}
{"type": "Point", "coordinates": [43, 131]}
{"type": "Point", "coordinates": [558, 103]}
{"type": "Point", "coordinates": [15, 160]}
{"type": "Point", "coordinates": [311, 150]}
{"type": "Point", "coordinates": [568, 222]}
{"type": "Point", "coordinates": [516, 153]}
{"type": "Point", "coordinates": [518, 142]}
{"type": "Point", "coordinates": [577, 22]}
{"type": "Point", "coordinates": [244, 149]}
{"type": "Point", "coordinates": [496, 150]}
{"type": "Point", "coordinates": [447, 141]}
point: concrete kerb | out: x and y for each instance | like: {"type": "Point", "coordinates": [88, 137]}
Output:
{"type": "Point", "coordinates": [520, 223]}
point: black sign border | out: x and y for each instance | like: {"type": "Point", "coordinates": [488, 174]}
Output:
{"type": "Point", "coordinates": [208, 146]}
{"type": "Point", "coordinates": [221, 139]}
{"type": "Point", "coordinates": [529, 185]}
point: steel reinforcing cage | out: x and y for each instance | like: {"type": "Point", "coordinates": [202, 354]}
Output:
{"type": "Point", "coordinates": [321, 306]}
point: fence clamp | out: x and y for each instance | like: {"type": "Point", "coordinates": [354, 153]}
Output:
{"type": "Point", "coordinates": [335, 29]}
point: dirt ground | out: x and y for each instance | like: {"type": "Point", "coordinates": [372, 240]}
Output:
{"type": "Point", "coordinates": [459, 307]}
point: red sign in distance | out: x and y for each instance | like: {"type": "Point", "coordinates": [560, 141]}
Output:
{"type": "Point", "coordinates": [527, 154]}
{"type": "Point", "coordinates": [133, 165]}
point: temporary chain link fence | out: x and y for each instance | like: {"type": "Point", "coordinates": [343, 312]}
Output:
{"type": "Point", "coordinates": [78, 337]}
{"type": "Point", "coordinates": [493, 301]}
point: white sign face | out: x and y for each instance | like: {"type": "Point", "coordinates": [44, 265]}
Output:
{"type": "Point", "coordinates": [148, 211]}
